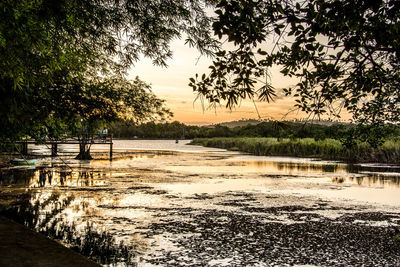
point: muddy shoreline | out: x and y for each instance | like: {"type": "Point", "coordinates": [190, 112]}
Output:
{"type": "Point", "coordinates": [204, 209]}
{"type": "Point", "coordinates": [23, 247]}
{"type": "Point", "coordinates": [241, 232]}
{"type": "Point", "coordinates": [256, 238]}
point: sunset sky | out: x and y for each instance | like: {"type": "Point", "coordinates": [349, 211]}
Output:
{"type": "Point", "coordinates": [171, 84]}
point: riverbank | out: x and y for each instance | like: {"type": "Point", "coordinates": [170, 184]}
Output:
{"type": "Point", "coordinates": [329, 149]}
{"type": "Point", "coordinates": [205, 208]}
{"type": "Point", "coordinates": [20, 246]}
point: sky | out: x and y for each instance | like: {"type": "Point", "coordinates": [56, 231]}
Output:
{"type": "Point", "coordinates": [171, 84]}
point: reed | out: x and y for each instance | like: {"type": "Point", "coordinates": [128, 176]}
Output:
{"type": "Point", "coordinates": [331, 149]}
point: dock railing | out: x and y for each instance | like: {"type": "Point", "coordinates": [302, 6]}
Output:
{"type": "Point", "coordinates": [69, 141]}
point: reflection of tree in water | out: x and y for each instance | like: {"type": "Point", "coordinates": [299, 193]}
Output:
{"type": "Point", "coordinates": [63, 177]}
{"type": "Point", "coordinates": [16, 177]}
{"type": "Point", "coordinates": [338, 180]}
{"type": "Point", "coordinates": [44, 177]}
{"type": "Point", "coordinates": [373, 179]}
{"type": "Point", "coordinates": [86, 178]}
{"type": "Point", "coordinates": [359, 180]}
{"type": "Point", "coordinates": [304, 167]}
{"type": "Point", "coordinates": [45, 217]}
{"type": "Point", "coordinates": [330, 167]}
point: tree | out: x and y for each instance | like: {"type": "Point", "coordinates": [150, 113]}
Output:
{"type": "Point", "coordinates": [106, 100]}
{"type": "Point", "coordinates": [64, 61]}
{"type": "Point", "coordinates": [345, 55]}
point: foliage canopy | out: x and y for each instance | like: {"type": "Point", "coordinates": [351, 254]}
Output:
{"type": "Point", "coordinates": [64, 61]}
{"type": "Point", "coordinates": [345, 55]}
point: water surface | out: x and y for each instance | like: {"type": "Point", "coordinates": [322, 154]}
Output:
{"type": "Point", "coordinates": [159, 202]}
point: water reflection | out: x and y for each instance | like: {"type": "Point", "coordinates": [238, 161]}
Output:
{"type": "Point", "coordinates": [339, 173]}
{"type": "Point", "coordinates": [47, 177]}
{"type": "Point", "coordinates": [296, 167]}
{"type": "Point", "coordinates": [137, 156]}
{"type": "Point", "coordinates": [95, 174]}
{"type": "Point", "coordinates": [368, 175]}
{"type": "Point", "coordinates": [45, 214]}
{"type": "Point", "coordinates": [376, 180]}
{"type": "Point", "coordinates": [140, 188]}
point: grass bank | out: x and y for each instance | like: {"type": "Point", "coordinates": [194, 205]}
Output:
{"type": "Point", "coordinates": [307, 147]}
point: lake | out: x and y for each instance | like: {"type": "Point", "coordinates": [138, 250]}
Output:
{"type": "Point", "coordinates": [165, 203]}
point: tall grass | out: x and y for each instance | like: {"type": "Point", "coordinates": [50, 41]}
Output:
{"type": "Point", "coordinates": [307, 147]}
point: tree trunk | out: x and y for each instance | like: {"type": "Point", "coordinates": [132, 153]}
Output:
{"type": "Point", "coordinates": [84, 150]}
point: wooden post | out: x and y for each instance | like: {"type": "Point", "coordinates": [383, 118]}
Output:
{"type": "Point", "coordinates": [111, 147]}
{"type": "Point", "coordinates": [25, 148]}
{"type": "Point", "coordinates": [53, 149]}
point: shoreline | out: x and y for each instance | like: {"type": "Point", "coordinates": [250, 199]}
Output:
{"type": "Point", "coordinates": [328, 149]}
{"type": "Point", "coordinates": [21, 246]}
{"type": "Point", "coordinates": [213, 209]}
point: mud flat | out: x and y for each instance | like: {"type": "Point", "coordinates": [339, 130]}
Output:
{"type": "Point", "coordinates": [211, 209]}
{"type": "Point", "coordinates": [322, 234]}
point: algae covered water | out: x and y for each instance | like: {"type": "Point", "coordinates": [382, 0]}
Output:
{"type": "Point", "coordinates": [162, 203]}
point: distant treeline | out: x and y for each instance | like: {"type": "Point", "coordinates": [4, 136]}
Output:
{"type": "Point", "coordinates": [282, 129]}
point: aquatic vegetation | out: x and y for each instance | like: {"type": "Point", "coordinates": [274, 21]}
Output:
{"type": "Point", "coordinates": [99, 246]}
{"type": "Point", "coordinates": [242, 239]}
{"type": "Point", "coordinates": [213, 209]}
{"type": "Point", "coordinates": [307, 147]}
{"type": "Point", "coordinates": [397, 236]}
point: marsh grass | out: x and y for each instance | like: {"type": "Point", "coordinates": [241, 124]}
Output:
{"type": "Point", "coordinates": [331, 149]}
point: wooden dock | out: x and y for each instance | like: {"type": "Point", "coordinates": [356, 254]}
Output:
{"type": "Point", "coordinates": [68, 141]}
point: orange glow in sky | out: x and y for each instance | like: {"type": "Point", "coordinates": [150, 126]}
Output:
{"type": "Point", "coordinates": [171, 84]}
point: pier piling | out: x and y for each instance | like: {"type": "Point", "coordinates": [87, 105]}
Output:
{"type": "Point", "coordinates": [54, 149]}
{"type": "Point", "coordinates": [111, 148]}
